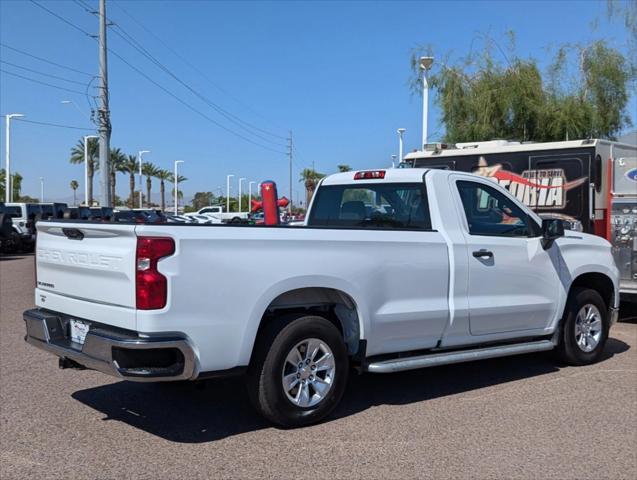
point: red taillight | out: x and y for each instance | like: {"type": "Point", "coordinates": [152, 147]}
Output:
{"type": "Point", "coordinates": [370, 175]}
{"type": "Point", "coordinates": [151, 287]}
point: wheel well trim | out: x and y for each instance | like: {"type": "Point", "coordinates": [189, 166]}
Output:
{"type": "Point", "coordinates": [289, 285]}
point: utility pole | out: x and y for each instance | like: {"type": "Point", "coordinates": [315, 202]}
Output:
{"type": "Point", "coordinates": [104, 115]}
{"type": "Point", "coordinates": [290, 158]}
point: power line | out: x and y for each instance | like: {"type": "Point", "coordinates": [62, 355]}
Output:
{"type": "Point", "coordinates": [230, 117]}
{"type": "Point", "coordinates": [58, 125]}
{"type": "Point", "coordinates": [153, 82]}
{"type": "Point", "coordinates": [41, 82]}
{"type": "Point", "coordinates": [42, 73]}
{"type": "Point", "coordinates": [193, 67]}
{"type": "Point", "coordinates": [186, 104]}
{"type": "Point", "coordinates": [71, 24]}
{"type": "Point", "coordinates": [128, 38]}
{"type": "Point", "coordinates": [45, 60]}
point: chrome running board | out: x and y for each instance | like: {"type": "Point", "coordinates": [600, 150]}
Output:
{"type": "Point", "coordinates": [446, 358]}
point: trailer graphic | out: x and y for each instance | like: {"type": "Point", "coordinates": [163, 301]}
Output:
{"type": "Point", "coordinates": [541, 188]}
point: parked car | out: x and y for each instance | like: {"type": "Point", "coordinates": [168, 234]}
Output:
{"type": "Point", "coordinates": [219, 212]}
{"type": "Point", "coordinates": [202, 218]}
{"type": "Point", "coordinates": [457, 269]}
{"type": "Point", "coordinates": [52, 210]}
{"type": "Point", "coordinates": [9, 234]}
{"type": "Point", "coordinates": [24, 217]}
{"type": "Point", "coordinates": [138, 216]}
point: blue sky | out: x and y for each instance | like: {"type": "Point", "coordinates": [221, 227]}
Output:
{"type": "Point", "coordinates": [335, 73]}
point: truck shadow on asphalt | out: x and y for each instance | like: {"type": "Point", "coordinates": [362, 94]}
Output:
{"type": "Point", "coordinates": [185, 412]}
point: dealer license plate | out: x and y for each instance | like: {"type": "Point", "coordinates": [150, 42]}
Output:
{"type": "Point", "coordinates": [78, 331]}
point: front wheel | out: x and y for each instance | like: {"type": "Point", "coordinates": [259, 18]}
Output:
{"type": "Point", "coordinates": [585, 328]}
{"type": "Point", "coordinates": [299, 370]}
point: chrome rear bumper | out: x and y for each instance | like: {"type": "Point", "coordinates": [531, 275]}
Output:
{"type": "Point", "coordinates": [122, 354]}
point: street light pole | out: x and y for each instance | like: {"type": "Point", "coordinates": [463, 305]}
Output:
{"type": "Point", "coordinates": [71, 102]}
{"type": "Point", "coordinates": [41, 189]}
{"type": "Point", "coordinates": [8, 193]}
{"type": "Point", "coordinates": [240, 180]}
{"type": "Point", "coordinates": [250, 196]}
{"type": "Point", "coordinates": [86, 139]}
{"type": "Point", "coordinates": [177, 162]}
{"type": "Point", "coordinates": [228, 192]}
{"type": "Point", "coordinates": [401, 131]}
{"type": "Point", "coordinates": [139, 160]}
{"type": "Point", "coordinates": [425, 65]}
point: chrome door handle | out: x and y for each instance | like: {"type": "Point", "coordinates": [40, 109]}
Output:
{"type": "Point", "coordinates": [483, 254]}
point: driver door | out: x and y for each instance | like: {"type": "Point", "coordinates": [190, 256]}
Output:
{"type": "Point", "coordinates": [513, 282]}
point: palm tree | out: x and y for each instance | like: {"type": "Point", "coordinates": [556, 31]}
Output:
{"type": "Point", "coordinates": [310, 177]}
{"type": "Point", "coordinates": [130, 166]}
{"type": "Point", "coordinates": [77, 157]}
{"type": "Point", "coordinates": [74, 187]}
{"type": "Point", "coordinates": [163, 176]}
{"type": "Point", "coordinates": [16, 185]}
{"type": "Point", "coordinates": [150, 171]}
{"type": "Point", "coordinates": [344, 168]}
{"type": "Point", "coordinates": [118, 158]}
{"type": "Point", "coordinates": [180, 179]}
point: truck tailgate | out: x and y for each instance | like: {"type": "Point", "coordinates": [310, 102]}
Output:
{"type": "Point", "coordinates": [87, 263]}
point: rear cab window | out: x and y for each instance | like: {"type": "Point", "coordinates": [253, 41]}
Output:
{"type": "Point", "coordinates": [384, 206]}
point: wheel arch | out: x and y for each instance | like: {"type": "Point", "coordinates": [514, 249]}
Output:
{"type": "Point", "coordinates": [336, 305]}
{"type": "Point", "coordinates": [599, 282]}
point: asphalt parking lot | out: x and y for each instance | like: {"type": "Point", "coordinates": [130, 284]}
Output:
{"type": "Point", "coordinates": [519, 417]}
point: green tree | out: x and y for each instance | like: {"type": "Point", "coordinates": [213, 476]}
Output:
{"type": "Point", "coordinates": [16, 185]}
{"type": "Point", "coordinates": [344, 168]}
{"type": "Point", "coordinates": [163, 176]}
{"type": "Point", "coordinates": [130, 167]}
{"type": "Point", "coordinates": [116, 165]}
{"type": "Point", "coordinates": [77, 157]}
{"type": "Point", "coordinates": [482, 98]}
{"type": "Point", "coordinates": [202, 199]}
{"type": "Point", "coordinates": [149, 170]}
{"type": "Point", "coordinates": [74, 186]}
{"type": "Point", "coordinates": [180, 179]}
{"type": "Point", "coordinates": [310, 178]}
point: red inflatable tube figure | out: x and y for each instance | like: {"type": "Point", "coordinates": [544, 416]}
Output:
{"type": "Point", "coordinates": [269, 203]}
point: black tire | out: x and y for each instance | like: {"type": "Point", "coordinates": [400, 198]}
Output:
{"type": "Point", "coordinates": [568, 349]}
{"type": "Point", "coordinates": [264, 378]}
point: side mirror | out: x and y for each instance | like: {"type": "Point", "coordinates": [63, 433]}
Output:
{"type": "Point", "coordinates": [552, 229]}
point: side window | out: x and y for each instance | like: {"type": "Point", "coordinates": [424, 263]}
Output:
{"type": "Point", "coordinates": [382, 206]}
{"type": "Point", "coordinates": [491, 213]}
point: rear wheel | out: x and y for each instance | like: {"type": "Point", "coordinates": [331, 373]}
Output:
{"type": "Point", "coordinates": [299, 370]}
{"type": "Point", "coordinates": [584, 327]}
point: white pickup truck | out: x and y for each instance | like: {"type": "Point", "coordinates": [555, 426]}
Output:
{"type": "Point", "coordinates": [393, 270]}
{"type": "Point", "coordinates": [218, 212]}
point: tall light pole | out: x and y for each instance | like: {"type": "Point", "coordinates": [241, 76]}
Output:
{"type": "Point", "coordinates": [177, 162]}
{"type": "Point", "coordinates": [71, 102]}
{"type": "Point", "coordinates": [86, 139]}
{"type": "Point", "coordinates": [140, 154]}
{"type": "Point", "coordinates": [250, 195]}
{"type": "Point", "coordinates": [401, 132]}
{"type": "Point", "coordinates": [425, 65]}
{"type": "Point", "coordinates": [228, 192]}
{"type": "Point", "coordinates": [240, 180]}
{"type": "Point", "coordinates": [8, 193]}
{"type": "Point", "coordinates": [41, 189]}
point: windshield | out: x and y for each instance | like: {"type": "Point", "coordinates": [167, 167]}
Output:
{"type": "Point", "coordinates": [378, 205]}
